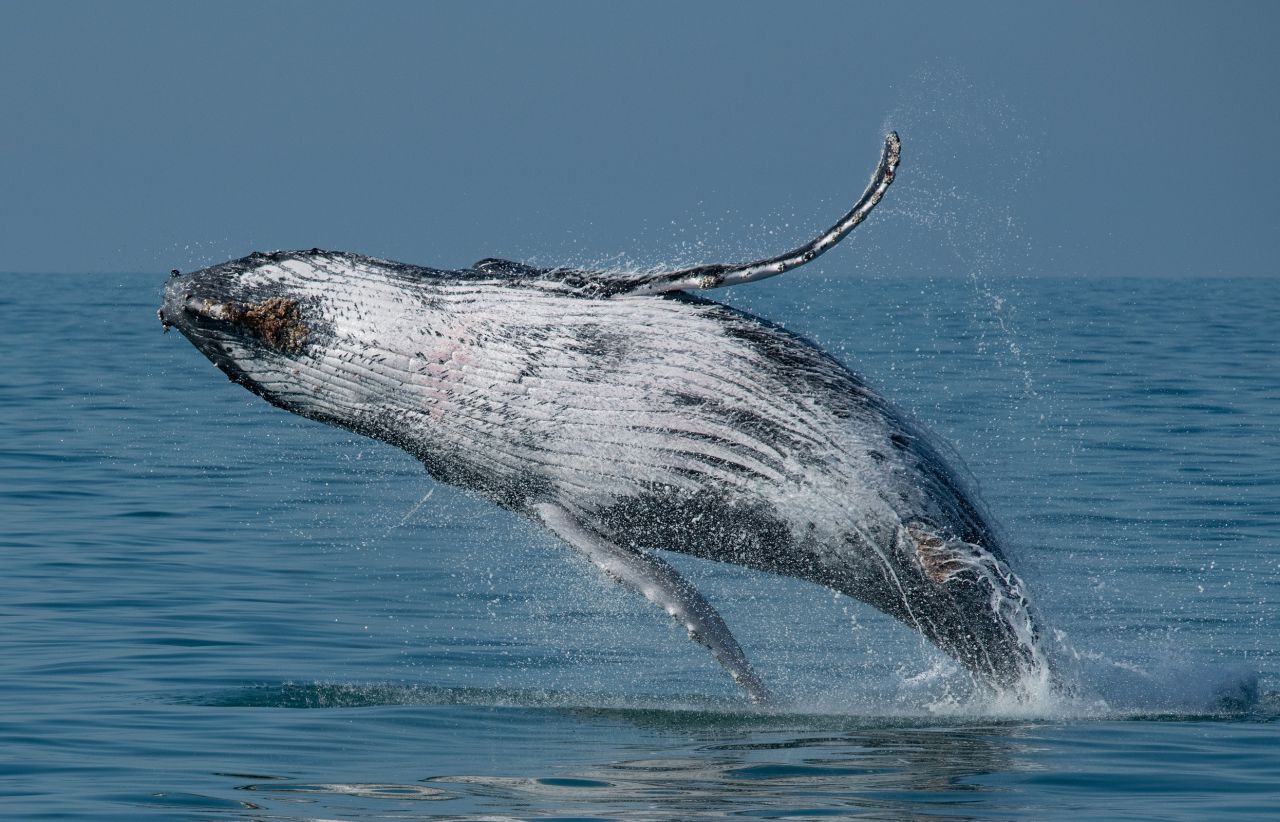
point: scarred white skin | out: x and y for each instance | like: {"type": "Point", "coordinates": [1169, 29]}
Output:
{"type": "Point", "coordinates": [627, 416]}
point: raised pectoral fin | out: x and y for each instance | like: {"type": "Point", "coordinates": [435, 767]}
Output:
{"type": "Point", "coordinates": [661, 585]}
{"type": "Point", "coordinates": [722, 274]}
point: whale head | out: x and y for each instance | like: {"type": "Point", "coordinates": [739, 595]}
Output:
{"type": "Point", "coordinates": [295, 329]}
{"type": "Point", "coordinates": [251, 326]}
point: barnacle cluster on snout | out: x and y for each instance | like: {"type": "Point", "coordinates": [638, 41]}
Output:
{"type": "Point", "coordinates": [276, 321]}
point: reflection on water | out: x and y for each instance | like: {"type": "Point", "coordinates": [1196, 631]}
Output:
{"type": "Point", "coordinates": [893, 771]}
{"type": "Point", "coordinates": [778, 772]}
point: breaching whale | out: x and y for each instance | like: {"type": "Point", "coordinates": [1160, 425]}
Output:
{"type": "Point", "coordinates": [628, 416]}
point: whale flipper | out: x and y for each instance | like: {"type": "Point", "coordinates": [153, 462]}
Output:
{"type": "Point", "coordinates": [661, 585]}
{"type": "Point", "coordinates": [606, 284]}
{"type": "Point", "coordinates": [717, 275]}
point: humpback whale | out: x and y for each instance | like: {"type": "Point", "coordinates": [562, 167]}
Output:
{"type": "Point", "coordinates": [629, 417]}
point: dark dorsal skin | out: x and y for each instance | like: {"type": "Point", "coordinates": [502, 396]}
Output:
{"type": "Point", "coordinates": [628, 416]}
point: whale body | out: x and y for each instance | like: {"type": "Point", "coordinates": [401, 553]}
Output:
{"type": "Point", "coordinates": [628, 416]}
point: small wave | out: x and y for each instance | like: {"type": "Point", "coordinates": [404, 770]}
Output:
{"type": "Point", "coordinates": [363, 790]}
{"type": "Point", "coordinates": [322, 695]}
{"type": "Point", "coordinates": [1231, 696]}
{"type": "Point", "coordinates": [1172, 688]}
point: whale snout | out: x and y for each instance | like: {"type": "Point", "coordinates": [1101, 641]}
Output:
{"type": "Point", "coordinates": [184, 294]}
{"type": "Point", "coordinates": [188, 305]}
{"type": "Point", "coordinates": [209, 307]}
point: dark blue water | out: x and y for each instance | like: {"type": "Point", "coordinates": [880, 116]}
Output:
{"type": "Point", "coordinates": [210, 609]}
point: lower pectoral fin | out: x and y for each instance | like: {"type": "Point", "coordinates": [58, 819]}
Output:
{"type": "Point", "coordinates": [661, 585]}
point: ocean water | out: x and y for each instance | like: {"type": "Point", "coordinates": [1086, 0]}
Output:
{"type": "Point", "coordinates": [210, 609]}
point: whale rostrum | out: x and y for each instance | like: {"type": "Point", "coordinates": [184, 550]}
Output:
{"type": "Point", "coordinates": [628, 417]}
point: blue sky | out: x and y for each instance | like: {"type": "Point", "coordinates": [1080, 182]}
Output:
{"type": "Point", "coordinates": [1080, 139]}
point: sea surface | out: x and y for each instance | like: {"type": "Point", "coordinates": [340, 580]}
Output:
{"type": "Point", "coordinates": [213, 610]}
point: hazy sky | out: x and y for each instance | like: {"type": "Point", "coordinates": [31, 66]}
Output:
{"type": "Point", "coordinates": [1064, 138]}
